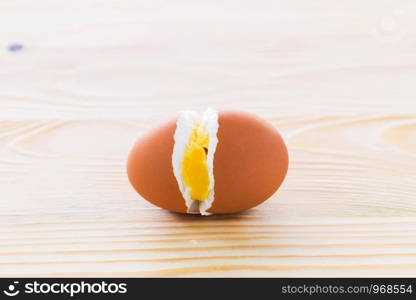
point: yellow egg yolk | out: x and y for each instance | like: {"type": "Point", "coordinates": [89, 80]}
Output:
{"type": "Point", "coordinates": [194, 165]}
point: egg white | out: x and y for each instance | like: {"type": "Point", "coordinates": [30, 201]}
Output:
{"type": "Point", "coordinates": [186, 122]}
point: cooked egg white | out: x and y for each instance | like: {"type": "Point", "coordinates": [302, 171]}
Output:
{"type": "Point", "coordinates": [193, 158]}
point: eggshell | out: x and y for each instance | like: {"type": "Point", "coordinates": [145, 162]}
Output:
{"type": "Point", "coordinates": [149, 168]}
{"type": "Point", "coordinates": [250, 163]}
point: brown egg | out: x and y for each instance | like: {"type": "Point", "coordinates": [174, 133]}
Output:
{"type": "Point", "coordinates": [244, 163]}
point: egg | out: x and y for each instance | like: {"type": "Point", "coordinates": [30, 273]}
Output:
{"type": "Point", "coordinates": [208, 163]}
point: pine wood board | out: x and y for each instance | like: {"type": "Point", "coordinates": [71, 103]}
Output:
{"type": "Point", "coordinates": [337, 79]}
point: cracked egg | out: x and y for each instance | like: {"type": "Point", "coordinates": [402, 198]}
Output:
{"type": "Point", "coordinates": [209, 163]}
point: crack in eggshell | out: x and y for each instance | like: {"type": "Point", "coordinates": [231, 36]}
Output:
{"type": "Point", "coordinates": [186, 122]}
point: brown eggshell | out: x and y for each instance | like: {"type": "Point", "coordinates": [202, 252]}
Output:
{"type": "Point", "coordinates": [250, 164]}
{"type": "Point", "coordinates": [149, 168]}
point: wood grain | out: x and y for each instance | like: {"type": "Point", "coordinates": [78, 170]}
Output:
{"type": "Point", "coordinates": [337, 79]}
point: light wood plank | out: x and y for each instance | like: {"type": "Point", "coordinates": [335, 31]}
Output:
{"type": "Point", "coordinates": [337, 79]}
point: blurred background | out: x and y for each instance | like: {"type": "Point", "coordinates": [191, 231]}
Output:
{"type": "Point", "coordinates": [80, 80]}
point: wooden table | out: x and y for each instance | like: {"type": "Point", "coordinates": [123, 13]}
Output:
{"type": "Point", "coordinates": [80, 80]}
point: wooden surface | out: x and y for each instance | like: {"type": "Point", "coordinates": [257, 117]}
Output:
{"type": "Point", "coordinates": [337, 78]}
